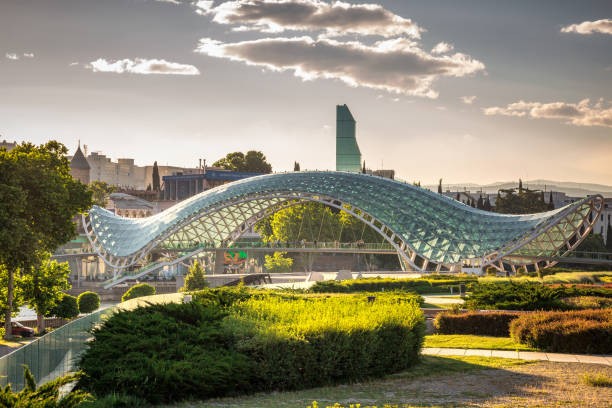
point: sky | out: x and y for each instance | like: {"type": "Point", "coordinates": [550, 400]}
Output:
{"type": "Point", "coordinates": [468, 91]}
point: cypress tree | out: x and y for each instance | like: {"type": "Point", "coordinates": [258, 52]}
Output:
{"type": "Point", "coordinates": [156, 183]}
{"type": "Point", "coordinates": [487, 204]}
{"type": "Point", "coordinates": [458, 198]}
{"type": "Point", "coordinates": [363, 170]}
{"type": "Point", "coordinates": [480, 204]}
{"type": "Point", "coordinates": [520, 186]}
{"type": "Point", "coordinates": [440, 187]}
{"type": "Point", "coordinates": [609, 238]}
{"type": "Point", "coordinates": [296, 166]}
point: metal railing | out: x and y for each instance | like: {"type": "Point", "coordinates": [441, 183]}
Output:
{"type": "Point", "coordinates": [52, 355]}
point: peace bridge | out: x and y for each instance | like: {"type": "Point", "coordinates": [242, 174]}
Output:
{"type": "Point", "coordinates": [428, 231]}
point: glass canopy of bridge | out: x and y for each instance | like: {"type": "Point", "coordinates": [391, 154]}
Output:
{"type": "Point", "coordinates": [429, 231]}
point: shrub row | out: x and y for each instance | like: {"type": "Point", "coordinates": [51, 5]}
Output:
{"type": "Point", "coordinates": [478, 323]}
{"type": "Point", "coordinates": [138, 290]}
{"type": "Point", "coordinates": [583, 331]}
{"type": "Point", "coordinates": [419, 285]}
{"type": "Point", "coordinates": [525, 295]}
{"type": "Point", "coordinates": [228, 342]}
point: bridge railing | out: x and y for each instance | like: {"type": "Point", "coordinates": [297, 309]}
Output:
{"type": "Point", "coordinates": [52, 355]}
{"type": "Point", "coordinates": [561, 254]}
{"type": "Point", "coordinates": [283, 245]}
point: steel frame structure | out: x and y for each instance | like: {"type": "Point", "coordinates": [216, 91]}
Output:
{"type": "Point", "coordinates": [429, 231]}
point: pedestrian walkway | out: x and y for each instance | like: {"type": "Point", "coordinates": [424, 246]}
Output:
{"type": "Point", "coordinates": [521, 355]}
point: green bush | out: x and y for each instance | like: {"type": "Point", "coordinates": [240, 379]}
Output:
{"type": "Point", "coordinates": [138, 290]}
{"type": "Point", "coordinates": [483, 324]}
{"type": "Point", "coordinates": [588, 302]}
{"type": "Point", "coordinates": [48, 395]}
{"type": "Point", "coordinates": [88, 302]}
{"type": "Point", "coordinates": [235, 341]}
{"type": "Point", "coordinates": [583, 331]}
{"type": "Point", "coordinates": [66, 308]}
{"type": "Point", "coordinates": [431, 284]}
{"type": "Point", "coordinates": [116, 401]}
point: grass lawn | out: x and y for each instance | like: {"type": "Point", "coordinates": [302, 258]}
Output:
{"type": "Point", "coordinates": [372, 392]}
{"type": "Point", "coordinates": [474, 342]}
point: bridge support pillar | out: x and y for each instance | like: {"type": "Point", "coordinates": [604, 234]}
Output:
{"type": "Point", "coordinates": [219, 260]}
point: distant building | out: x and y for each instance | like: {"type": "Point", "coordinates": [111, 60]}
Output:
{"type": "Point", "coordinates": [604, 220]}
{"type": "Point", "coordinates": [181, 186]}
{"type": "Point", "coordinates": [129, 206]}
{"type": "Point", "coordinates": [348, 156]}
{"type": "Point", "coordinates": [79, 167]}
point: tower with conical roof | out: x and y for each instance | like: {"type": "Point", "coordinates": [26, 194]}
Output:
{"type": "Point", "coordinates": [79, 167]}
{"type": "Point", "coordinates": [348, 156]}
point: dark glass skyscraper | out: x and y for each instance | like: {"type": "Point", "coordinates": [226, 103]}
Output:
{"type": "Point", "coordinates": [348, 156]}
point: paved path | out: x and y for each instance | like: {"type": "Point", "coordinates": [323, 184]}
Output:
{"type": "Point", "coordinates": [522, 355]}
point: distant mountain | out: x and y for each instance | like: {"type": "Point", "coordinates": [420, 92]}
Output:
{"type": "Point", "coordinates": [572, 189]}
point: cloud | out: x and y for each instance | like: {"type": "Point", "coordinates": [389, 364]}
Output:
{"type": "Point", "coordinates": [578, 114]}
{"type": "Point", "coordinates": [395, 65]}
{"type": "Point", "coordinates": [468, 100]}
{"type": "Point", "coordinates": [28, 55]}
{"type": "Point", "coordinates": [142, 66]}
{"type": "Point", "coordinates": [72, 64]}
{"type": "Point", "coordinates": [169, 1]}
{"type": "Point", "coordinates": [337, 18]}
{"type": "Point", "coordinates": [11, 56]}
{"type": "Point", "coordinates": [589, 27]}
{"type": "Point", "coordinates": [442, 48]}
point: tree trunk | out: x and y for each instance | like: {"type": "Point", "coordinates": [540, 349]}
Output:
{"type": "Point", "coordinates": [8, 330]}
{"type": "Point", "coordinates": [40, 323]}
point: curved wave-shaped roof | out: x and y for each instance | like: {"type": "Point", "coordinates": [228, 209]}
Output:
{"type": "Point", "coordinates": [436, 227]}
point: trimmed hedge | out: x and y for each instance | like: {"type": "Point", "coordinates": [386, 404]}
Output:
{"type": "Point", "coordinates": [484, 324]}
{"type": "Point", "coordinates": [525, 295]}
{"type": "Point", "coordinates": [583, 331]}
{"type": "Point", "coordinates": [138, 290]}
{"type": "Point", "coordinates": [229, 342]}
{"type": "Point", "coordinates": [439, 284]}
{"type": "Point", "coordinates": [67, 307]}
{"type": "Point", "coordinates": [88, 302]}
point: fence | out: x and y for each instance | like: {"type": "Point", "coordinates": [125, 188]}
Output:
{"type": "Point", "coordinates": [52, 355]}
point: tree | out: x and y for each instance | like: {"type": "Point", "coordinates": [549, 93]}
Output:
{"type": "Point", "coordinates": [551, 203]}
{"type": "Point", "coordinates": [139, 290]}
{"type": "Point", "coordinates": [39, 201]}
{"type": "Point", "coordinates": [156, 183]}
{"type": "Point", "coordinates": [296, 166]}
{"type": "Point", "coordinates": [480, 203]}
{"type": "Point", "coordinates": [440, 187]}
{"type": "Point", "coordinates": [43, 286]}
{"type": "Point", "coordinates": [277, 262]}
{"type": "Point", "coordinates": [88, 302]}
{"type": "Point", "coordinates": [363, 169]}
{"type": "Point", "coordinates": [66, 308]}
{"type": "Point", "coordinates": [520, 186]}
{"type": "Point", "coordinates": [487, 204]}
{"type": "Point", "coordinates": [195, 278]}
{"type": "Point", "coordinates": [253, 161]}
{"type": "Point", "coordinates": [100, 191]}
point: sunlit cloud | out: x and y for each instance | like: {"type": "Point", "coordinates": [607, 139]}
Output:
{"type": "Point", "coordinates": [590, 27]}
{"type": "Point", "coordinates": [142, 66]}
{"type": "Point", "coordinates": [468, 100]}
{"type": "Point", "coordinates": [169, 1]}
{"type": "Point", "coordinates": [336, 18]}
{"type": "Point", "coordinates": [442, 48]}
{"type": "Point", "coordinates": [582, 113]}
{"type": "Point", "coordinates": [28, 55]}
{"type": "Point", "coordinates": [396, 65]}
{"type": "Point", "coordinates": [11, 56]}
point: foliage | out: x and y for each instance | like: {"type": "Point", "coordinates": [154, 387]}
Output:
{"type": "Point", "coordinates": [100, 191]}
{"type": "Point", "coordinates": [470, 341]}
{"type": "Point", "coordinates": [138, 290]}
{"type": "Point", "coordinates": [418, 285]}
{"type": "Point", "coordinates": [524, 201]}
{"type": "Point", "coordinates": [592, 243]}
{"type": "Point", "coordinates": [253, 161]}
{"type": "Point", "coordinates": [195, 279]}
{"type": "Point", "coordinates": [236, 341]}
{"type": "Point", "coordinates": [67, 307]}
{"type": "Point", "coordinates": [43, 286]}
{"type": "Point", "coordinates": [155, 177]}
{"type": "Point", "coordinates": [597, 379]}
{"type": "Point", "coordinates": [296, 166]}
{"type": "Point", "coordinates": [88, 302]}
{"type": "Point", "coordinates": [517, 295]}
{"type": "Point", "coordinates": [483, 324]}
{"type": "Point", "coordinates": [47, 395]}
{"type": "Point", "coordinates": [588, 302]}
{"type": "Point", "coordinates": [277, 262]}
{"type": "Point", "coordinates": [116, 401]}
{"type": "Point", "coordinates": [583, 331]}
